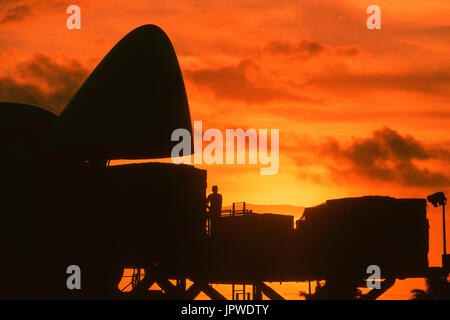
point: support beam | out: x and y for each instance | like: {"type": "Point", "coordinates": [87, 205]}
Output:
{"type": "Point", "coordinates": [257, 294]}
{"type": "Point", "coordinates": [211, 292]}
{"type": "Point", "coordinates": [170, 289]}
{"type": "Point", "coordinates": [268, 291]}
{"type": "Point", "coordinates": [375, 293]}
{"type": "Point", "coordinates": [181, 285]}
{"type": "Point", "coordinates": [145, 282]}
{"type": "Point", "coordinates": [193, 291]}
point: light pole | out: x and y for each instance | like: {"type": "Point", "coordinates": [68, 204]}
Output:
{"type": "Point", "coordinates": [438, 199]}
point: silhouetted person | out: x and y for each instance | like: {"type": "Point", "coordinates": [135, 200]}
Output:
{"type": "Point", "coordinates": [214, 203]}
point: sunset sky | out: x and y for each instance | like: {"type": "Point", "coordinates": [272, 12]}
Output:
{"type": "Point", "coordinates": [360, 112]}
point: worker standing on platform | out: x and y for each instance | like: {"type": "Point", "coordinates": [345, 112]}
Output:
{"type": "Point", "coordinates": [214, 203]}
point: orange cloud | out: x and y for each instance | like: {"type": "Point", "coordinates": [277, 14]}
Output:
{"type": "Point", "coordinates": [232, 83]}
{"type": "Point", "coordinates": [43, 82]}
{"type": "Point", "coordinates": [386, 156]}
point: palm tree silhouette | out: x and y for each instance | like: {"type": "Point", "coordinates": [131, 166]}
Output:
{"type": "Point", "coordinates": [438, 288]}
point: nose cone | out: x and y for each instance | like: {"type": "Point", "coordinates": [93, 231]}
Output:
{"type": "Point", "coordinates": [130, 104]}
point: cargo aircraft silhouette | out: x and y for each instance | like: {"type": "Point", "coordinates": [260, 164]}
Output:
{"type": "Point", "coordinates": [62, 204]}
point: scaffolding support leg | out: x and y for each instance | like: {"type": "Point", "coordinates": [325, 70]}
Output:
{"type": "Point", "coordinates": [193, 291]}
{"type": "Point", "coordinates": [375, 293]}
{"type": "Point", "coordinates": [257, 293]}
{"type": "Point", "coordinates": [212, 293]}
{"type": "Point", "coordinates": [268, 291]}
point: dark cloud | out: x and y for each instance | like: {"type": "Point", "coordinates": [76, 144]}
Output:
{"type": "Point", "coordinates": [17, 13]}
{"type": "Point", "coordinates": [304, 47]}
{"type": "Point", "coordinates": [385, 156]}
{"type": "Point", "coordinates": [232, 83]}
{"type": "Point", "coordinates": [436, 82]}
{"type": "Point", "coordinates": [17, 10]}
{"type": "Point", "coordinates": [347, 50]}
{"type": "Point", "coordinates": [4, 3]}
{"type": "Point", "coordinates": [43, 82]}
